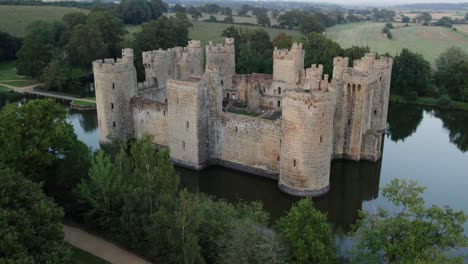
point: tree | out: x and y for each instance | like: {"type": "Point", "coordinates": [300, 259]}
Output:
{"type": "Point", "coordinates": [212, 19]}
{"type": "Point", "coordinates": [58, 74]}
{"type": "Point", "coordinates": [111, 30]}
{"type": "Point", "coordinates": [211, 8]}
{"type": "Point", "coordinates": [355, 53]}
{"type": "Point", "coordinates": [42, 40]}
{"type": "Point", "coordinates": [263, 20]}
{"type": "Point", "coordinates": [227, 11]}
{"type": "Point", "coordinates": [412, 233]}
{"type": "Point", "coordinates": [450, 56]}
{"type": "Point", "coordinates": [31, 223]}
{"type": "Point", "coordinates": [410, 72]}
{"type": "Point", "coordinates": [83, 53]}
{"type": "Point", "coordinates": [244, 10]}
{"type": "Point", "coordinates": [194, 12]}
{"type": "Point", "coordinates": [134, 196]}
{"type": "Point", "coordinates": [184, 234]}
{"type": "Point", "coordinates": [158, 8]}
{"type": "Point", "coordinates": [250, 242]}
{"type": "Point", "coordinates": [219, 219]}
{"type": "Point", "coordinates": [9, 46]}
{"type": "Point", "coordinates": [444, 22]}
{"type": "Point", "coordinates": [229, 19]}
{"type": "Point", "coordinates": [424, 17]}
{"type": "Point", "coordinates": [163, 33]}
{"type": "Point", "coordinates": [283, 41]}
{"type": "Point", "coordinates": [454, 80]}
{"type": "Point", "coordinates": [329, 49]}
{"type": "Point", "coordinates": [311, 23]}
{"type": "Point", "coordinates": [74, 18]}
{"type": "Point", "coordinates": [405, 19]}
{"type": "Point", "coordinates": [135, 11]}
{"type": "Point", "coordinates": [306, 231]}
{"type": "Point", "coordinates": [34, 137]}
{"type": "Point", "coordinates": [291, 19]}
{"type": "Point", "coordinates": [179, 9]}
{"type": "Point", "coordinates": [275, 13]}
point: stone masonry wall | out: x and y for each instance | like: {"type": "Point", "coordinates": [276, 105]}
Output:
{"type": "Point", "coordinates": [250, 141]}
{"type": "Point", "coordinates": [150, 117]}
{"type": "Point", "coordinates": [116, 83]}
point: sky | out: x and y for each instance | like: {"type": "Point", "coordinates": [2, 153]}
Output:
{"type": "Point", "coordinates": [382, 2]}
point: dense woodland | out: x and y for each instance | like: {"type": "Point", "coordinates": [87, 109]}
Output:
{"type": "Point", "coordinates": [130, 193]}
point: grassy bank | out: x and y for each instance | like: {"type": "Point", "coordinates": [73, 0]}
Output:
{"type": "Point", "coordinates": [429, 41]}
{"type": "Point", "coordinates": [15, 19]}
{"type": "Point", "coordinates": [84, 103]}
{"type": "Point", "coordinates": [82, 257]}
{"type": "Point", "coordinates": [427, 101]}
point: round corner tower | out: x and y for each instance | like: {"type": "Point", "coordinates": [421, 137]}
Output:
{"type": "Point", "coordinates": [115, 84]}
{"type": "Point", "coordinates": [307, 142]}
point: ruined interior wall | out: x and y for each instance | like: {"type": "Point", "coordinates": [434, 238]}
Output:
{"type": "Point", "coordinates": [250, 141]}
{"type": "Point", "coordinates": [150, 117]}
{"type": "Point", "coordinates": [250, 89]}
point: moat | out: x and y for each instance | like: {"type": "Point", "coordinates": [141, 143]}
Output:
{"type": "Point", "coordinates": [426, 145]}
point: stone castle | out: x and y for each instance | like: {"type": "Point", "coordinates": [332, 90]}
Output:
{"type": "Point", "coordinates": [288, 126]}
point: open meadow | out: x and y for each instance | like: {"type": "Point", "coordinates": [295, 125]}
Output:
{"type": "Point", "coordinates": [206, 31]}
{"type": "Point", "coordinates": [15, 19]}
{"type": "Point", "coordinates": [429, 41]}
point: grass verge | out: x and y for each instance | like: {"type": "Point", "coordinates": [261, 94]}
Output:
{"type": "Point", "coordinates": [427, 101]}
{"type": "Point", "coordinates": [82, 257]}
{"type": "Point", "coordinates": [83, 103]}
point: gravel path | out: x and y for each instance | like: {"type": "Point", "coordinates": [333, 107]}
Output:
{"type": "Point", "coordinates": [100, 247]}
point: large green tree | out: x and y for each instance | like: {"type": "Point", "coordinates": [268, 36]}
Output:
{"type": "Point", "coordinates": [412, 232]}
{"type": "Point", "coordinates": [306, 231]}
{"type": "Point", "coordinates": [42, 40]}
{"type": "Point", "coordinates": [9, 45]}
{"type": "Point", "coordinates": [251, 242]}
{"type": "Point", "coordinates": [35, 137]}
{"type": "Point", "coordinates": [283, 41]}
{"type": "Point", "coordinates": [410, 72]}
{"type": "Point", "coordinates": [30, 223]}
{"type": "Point", "coordinates": [451, 73]}
{"type": "Point", "coordinates": [111, 29]}
{"type": "Point", "coordinates": [328, 50]}
{"type": "Point", "coordinates": [134, 196]}
{"type": "Point", "coordinates": [83, 53]}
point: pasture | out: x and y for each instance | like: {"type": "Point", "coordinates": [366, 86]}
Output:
{"type": "Point", "coordinates": [208, 31]}
{"type": "Point", "coordinates": [15, 19]}
{"type": "Point", "coordinates": [429, 41]}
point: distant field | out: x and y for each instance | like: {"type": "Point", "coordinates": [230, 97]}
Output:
{"type": "Point", "coordinates": [438, 15]}
{"type": "Point", "coordinates": [237, 19]}
{"type": "Point", "coordinates": [429, 41]}
{"type": "Point", "coordinates": [206, 31]}
{"type": "Point", "coordinates": [15, 19]}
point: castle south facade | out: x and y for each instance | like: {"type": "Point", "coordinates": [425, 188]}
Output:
{"type": "Point", "coordinates": [288, 126]}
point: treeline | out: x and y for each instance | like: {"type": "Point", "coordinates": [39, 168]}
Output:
{"type": "Point", "coordinates": [132, 196]}
{"type": "Point", "coordinates": [60, 52]}
{"type": "Point", "coordinates": [254, 49]}
{"type": "Point", "coordinates": [78, 4]}
{"type": "Point", "coordinates": [9, 45]}
{"type": "Point", "coordinates": [413, 76]}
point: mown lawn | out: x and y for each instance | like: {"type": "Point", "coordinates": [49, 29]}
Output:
{"type": "Point", "coordinates": [429, 41]}
{"type": "Point", "coordinates": [15, 19]}
{"type": "Point", "coordinates": [208, 31]}
{"type": "Point", "coordinates": [82, 257]}
{"type": "Point", "coordinates": [8, 71]}
{"type": "Point", "coordinates": [84, 103]}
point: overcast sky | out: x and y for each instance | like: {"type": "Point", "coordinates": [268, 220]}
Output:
{"type": "Point", "coordinates": [383, 2]}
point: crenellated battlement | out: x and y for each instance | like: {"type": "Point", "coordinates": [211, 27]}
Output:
{"type": "Point", "coordinates": [185, 105]}
{"type": "Point", "coordinates": [288, 54]}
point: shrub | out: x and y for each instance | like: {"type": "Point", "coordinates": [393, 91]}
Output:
{"type": "Point", "coordinates": [445, 102]}
{"type": "Point", "coordinates": [389, 25]}
{"type": "Point", "coordinates": [412, 96]}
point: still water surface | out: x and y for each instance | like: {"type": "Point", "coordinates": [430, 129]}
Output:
{"type": "Point", "coordinates": [426, 145]}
